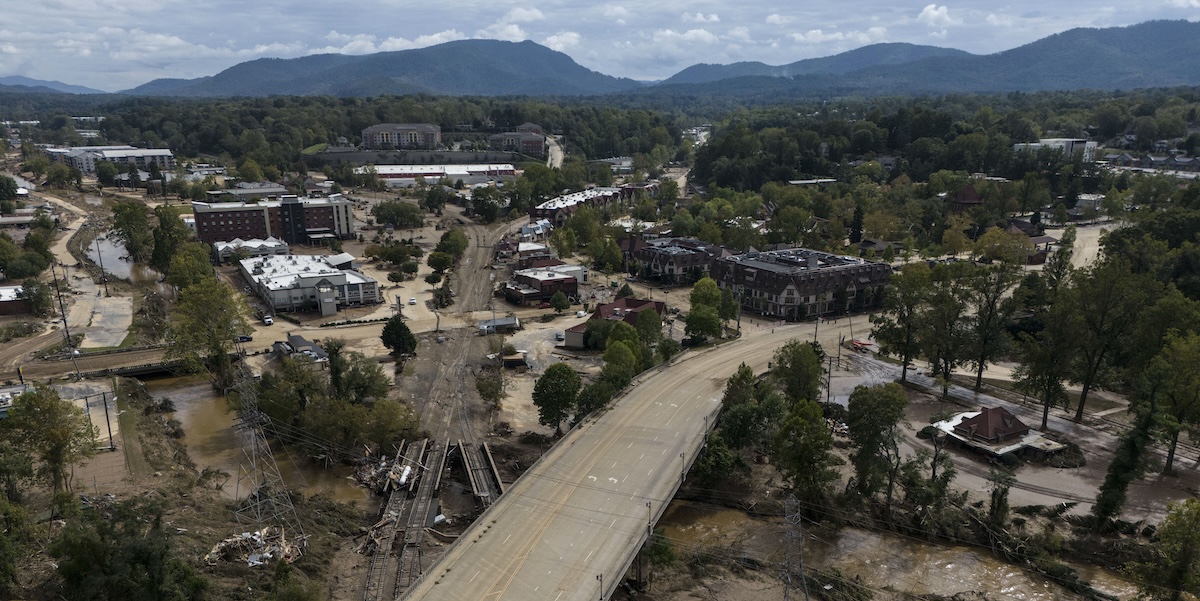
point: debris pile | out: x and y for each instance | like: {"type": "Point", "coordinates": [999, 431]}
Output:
{"type": "Point", "coordinates": [257, 548]}
{"type": "Point", "coordinates": [377, 535]}
{"type": "Point", "coordinates": [385, 475]}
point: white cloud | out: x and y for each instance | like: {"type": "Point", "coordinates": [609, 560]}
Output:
{"type": "Point", "coordinates": [617, 11]}
{"type": "Point", "coordinates": [740, 34]}
{"type": "Point", "coordinates": [440, 37]}
{"type": "Point", "coordinates": [1004, 20]}
{"type": "Point", "coordinates": [522, 15]}
{"type": "Point", "coordinates": [703, 36]}
{"type": "Point", "coordinates": [937, 16]}
{"type": "Point", "coordinates": [1185, 3]}
{"type": "Point", "coordinates": [700, 18]}
{"type": "Point", "coordinates": [778, 19]}
{"type": "Point", "coordinates": [562, 41]}
{"type": "Point", "coordinates": [818, 36]}
{"type": "Point", "coordinates": [510, 32]}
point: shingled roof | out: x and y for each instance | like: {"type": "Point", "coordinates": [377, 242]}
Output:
{"type": "Point", "coordinates": [992, 424]}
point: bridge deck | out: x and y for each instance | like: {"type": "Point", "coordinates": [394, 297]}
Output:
{"type": "Point", "coordinates": [585, 508]}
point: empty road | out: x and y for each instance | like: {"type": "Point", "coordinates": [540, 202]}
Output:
{"type": "Point", "coordinates": [582, 510]}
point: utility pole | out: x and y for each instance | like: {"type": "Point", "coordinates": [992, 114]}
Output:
{"type": "Point", "coordinates": [100, 258]}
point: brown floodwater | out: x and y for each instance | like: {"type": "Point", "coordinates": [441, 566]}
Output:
{"type": "Point", "coordinates": [116, 262]}
{"type": "Point", "coordinates": [212, 441]}
{"type": "Point", "coordinates": [877, 559]}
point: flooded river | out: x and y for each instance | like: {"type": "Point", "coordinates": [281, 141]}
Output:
{"type": "Point", "coordinates": [212, 441]}
{"type": "Point", "coordinates": [111, 252]}
{"type": "Point", "coordinates": [877, 559]}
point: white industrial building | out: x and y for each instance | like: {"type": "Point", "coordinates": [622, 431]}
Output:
{"type": "Point", "coordinates": [305, 282]}
{"type": "Point", "coordinates": [1068, 146]}
{"type": "Point", "coordinates": [255, 247]}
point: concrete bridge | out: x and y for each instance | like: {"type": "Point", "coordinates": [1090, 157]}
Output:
{"type": "Point", "coordinates": [571, 526]}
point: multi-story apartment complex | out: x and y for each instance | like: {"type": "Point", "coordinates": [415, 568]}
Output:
{"type": "Point", "coordinates": [291, 219]}
{"type": "Point", "coordinates": [799, 282]}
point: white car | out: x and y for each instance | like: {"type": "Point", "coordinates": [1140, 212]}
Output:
{"type": "Point", "coordinates": [268, 320]}
{"type": "Point", "coordinates": [412, 301]}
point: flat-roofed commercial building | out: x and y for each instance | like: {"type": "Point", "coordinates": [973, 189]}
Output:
{"type": "Point", "coordinates": [799, 282]}
{"type": "Point", "coordinates": [384, 136]}
{"type": "Point", "coordinates": [291, 219]}
{"type": "Point", "coordinates": [306, 283]}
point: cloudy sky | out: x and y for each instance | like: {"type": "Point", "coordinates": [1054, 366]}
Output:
{"type": "Point", "coordinates": [118, 44]}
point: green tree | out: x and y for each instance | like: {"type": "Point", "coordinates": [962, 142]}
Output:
{"type": "Point", "coordinates": [8, 188]}
{"type": "Point", "coordinates": [170, 234]}
{"type": "Point", "coordinates": [625, 291]}
{"type": "Point", "coordinates": [620, 363]}
{"type": "Point", "coordinates": [804, 453]}
{"type": "Point", "coordinates": [123, 553]}
{"type": "Point", "coordinates": [1128, 464]}
{"type": "Point", "coordinates": [204, 323]}
{"type": "Point", "coordinates": [648, 326]}
{"type": "Point", "coordinates": [668, 348]}
{"type": "Point", "coordinates": [439, 261]}
{"type": "Point", "coordinates": [999, 481]}
{"type": "Point", "coordinates": [189, 265]}
{"type": "Point", "coordinates": [874, 421]}
{"type": "Point", "coordinates": [1174, 566]}
{"type": "Point", "coordinates": [37, 295]}
{"type": "Point", "coordinates": [54, 432]}
{"type": "Point", "coordinates": [352, 375]}
{"type": "Point", "coordinates": [554, 395]}
{"type": "Point", "coordinates": [397, 337]}
{"type": "Point", "coordinates": [897, 327]}
{"type": "Point", "coordinates": [14, 531]}
{"type": "Point", "coordinates": [1045, 359]}
{"type": "Point", "coordinates": [1106, 299]}
{"type": "Point", "coordinates": [1180, 407]}
{"type": "Point", "coordinates": [797, 371]}
{"type": "Point", "coordinates": [716, 463]}
{"type": "Point", "coordinates": [702, 322]}
{"type": "Point", "coordinates": [403, 215]}
{"type": "Point", "coordinates": [992, 308]}
{"type": "Point", "coordinates": [131, 225]}
{"type": "Point", "coordinates": [559, 302]}
{"type": "Point", "coordinates": [250, 171]}
{"type": "Point", "coordinates": [705, 293]}
{"type": "Point", "coordinates": [943, 328]}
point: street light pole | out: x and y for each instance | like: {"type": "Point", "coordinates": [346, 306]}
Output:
{"type": "Point", "coordinates": [600, 577]}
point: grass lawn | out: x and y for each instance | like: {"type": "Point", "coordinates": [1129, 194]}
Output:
{"type": "Point", "coordinates": [135, 460]}
{"type": "Point", "coordinates": [314, 149]}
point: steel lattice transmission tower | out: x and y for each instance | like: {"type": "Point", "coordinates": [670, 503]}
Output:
{"type": "Point", "coordinates": [267, 502]}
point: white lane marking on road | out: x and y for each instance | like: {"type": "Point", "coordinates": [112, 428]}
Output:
{"type": "Point", "coordinates": [674, 405]}
{"type": "Point", "coordinates": [643, 456]}
{"type": "Point", "coordinates": [630, 446]}
{"type": "Point", "coordinates": [559, 595]}
{"type": "Point", "coordinates": [506, 539]}
{"type": "Point", "coordinates": [613, 480]}
{"type": "Point", "coordinates": [589, 554]}
{"type": "Point", "coordinates": [614, 523]}
{"type": "Point", "coordinates": [625, 478]}
{"type": "Point", "coordinates": [649, 472]}
{"type": "Point", "coordinates": [614, 464]}
{"type": "Point", "coordinates": [475, 576]}
{"type": "Point", "coordinates": [592, 478]}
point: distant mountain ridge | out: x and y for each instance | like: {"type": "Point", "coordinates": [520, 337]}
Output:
{"type": "Point", "coordinates": [464, 67]}
{"type": "Point", "coordinates": [38, 85]}
{"type": "Point", "coordinates": [1151, 54]}
{"type": "Point", "coordinates": [897, 53]}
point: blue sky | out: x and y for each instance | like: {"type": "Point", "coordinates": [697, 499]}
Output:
{"type": "Point", "coordinates": [118, 44]}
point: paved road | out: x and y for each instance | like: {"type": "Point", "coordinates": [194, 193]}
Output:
{"type": "Point", "coordinates": [582, 510]}
{"type": "Point", "coordinates": [555, 158]}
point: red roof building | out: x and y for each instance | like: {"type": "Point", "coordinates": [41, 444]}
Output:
{"type": "Point", "coordinates": [992, 425]}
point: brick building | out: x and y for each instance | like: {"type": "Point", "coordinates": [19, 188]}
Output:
{"type": "Point", "coordinates": [798, 283]}
{"type": "Point", "coordinates": [386, 136]}
{"type": "Point", "coordinates": [291, 219]}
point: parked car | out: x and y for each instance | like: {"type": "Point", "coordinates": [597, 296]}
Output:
{"type": "Point", "coordinates": [412, 301]}
{"type": "Point", "coordinates": [245, 338]}
{"type": "Point", "coordinates": [268, 320]}
{"type": "Point", "coordinates": [560, 336]}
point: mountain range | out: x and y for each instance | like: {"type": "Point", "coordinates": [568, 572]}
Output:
{"type": "Point", "coordinates": [1151, 54]}
{"type": "Point", "coordinates": [38, 85]}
